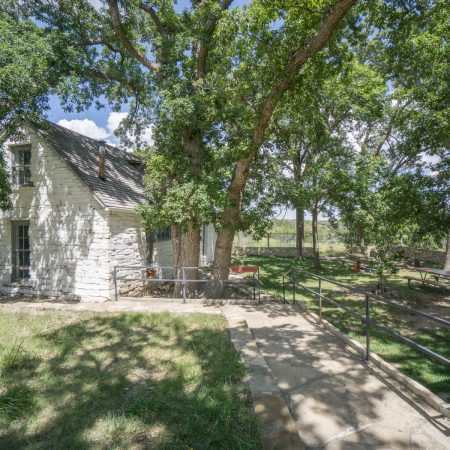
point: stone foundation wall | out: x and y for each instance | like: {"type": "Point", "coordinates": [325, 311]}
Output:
{"type": "Point", "coordinates": [435, 256]}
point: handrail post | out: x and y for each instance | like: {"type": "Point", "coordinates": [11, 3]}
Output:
{"type": "Point", "coordinates": [254, 286]}
{"type": "Point", "coordinates": [367, 327]}
{"type": "Point", "coordinates": [293, 286]}
{"type": "Point", "coordinates": [320, 300]}
{"type": "Point", "coordinates": [116, 294]}
{"type": "Point", "coordinates": [259, 289]}
{"type": "Point", "coordinates": [183, 284]}
{"type": "Point", "coordinates": [284, 291]}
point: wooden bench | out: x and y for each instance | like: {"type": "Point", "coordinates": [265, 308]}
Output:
{"type": "Point", "coordinates": [244, 269]}
{"type": "Point", "coordinates": [426, 281]}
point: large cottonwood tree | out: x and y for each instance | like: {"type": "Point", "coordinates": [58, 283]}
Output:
{"type": "Point", "coordinates": [185, 71]}
{"type": "Point", "coordinates": [209, 77]}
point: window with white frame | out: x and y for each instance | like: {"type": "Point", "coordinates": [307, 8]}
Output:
{"type": "Point", "coordinates": [21, 254]}
{"type": "Point", "coordinates": [21, 165]}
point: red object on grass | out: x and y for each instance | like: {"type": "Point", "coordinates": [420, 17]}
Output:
{"type": "Point", "coordinates": [243, 269]}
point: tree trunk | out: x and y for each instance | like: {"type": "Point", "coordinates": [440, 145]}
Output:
{"type": "Point", "coordinates": [222, 262]}
{"type": "Point", "coordinates": [186, 253]}
{"type": "Point", "coordinates": [231, 215]}
{"type": "Point", "coordinates": [186, 237]}
{"type": "Point", "coordinates": [300, 230]}
{"type": "Point", "coordinates": [447, 254]}
{"type": "Point", "coordinates": [315, 236]}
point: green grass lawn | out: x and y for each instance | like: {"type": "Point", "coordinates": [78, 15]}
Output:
{"type": "Point", "coordinates": [121, 381]}
{"type": "Point", "coordinates": [432, 374]}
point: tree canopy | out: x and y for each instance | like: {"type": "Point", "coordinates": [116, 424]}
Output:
{"type": "Point", "coordinates": [366, 85]}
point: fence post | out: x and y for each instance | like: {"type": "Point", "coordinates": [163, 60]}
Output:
{"type": "Point", "coordinates": [367, 328]}
{"type": "Point", "coordinates": [116, 294]}
{"type": "Point", "coordinates": [183, 285]}
{"type": "Point", "coordinates": [284, 291]}
{"type": "Point", "coordinates": [320, 300]}
{"type": "Point", "coordinates": [293, 286]}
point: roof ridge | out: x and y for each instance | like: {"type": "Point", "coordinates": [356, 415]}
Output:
{"type": "Point", "coordinates": [124, 188]}
{"type": "Point", "coordinates": [108, 144]}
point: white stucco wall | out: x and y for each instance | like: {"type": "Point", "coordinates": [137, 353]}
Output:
{"type": "Point", "coordinates": [127, 246]}
{"type": "Point", "coordinates": [162, 253]}
{"type": "Point", "coordinates": [69, 232]}
{"type": "Point", "coordinates": [75, 242]}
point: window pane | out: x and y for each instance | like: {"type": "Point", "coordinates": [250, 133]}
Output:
{"type": "Point", "coordinates": [26, 258]}
{"type": "Point", "coordinates": [21, 252]}
{"type": "Point", "coordinates": [21, 160]}
{"type": "Point", "coordinates": [26, 175]}
{"type": "Point", "coordinates": [26, 157]}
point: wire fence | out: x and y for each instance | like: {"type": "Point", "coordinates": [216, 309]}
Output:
{"type": "Point", "coordinates": [287, 240]}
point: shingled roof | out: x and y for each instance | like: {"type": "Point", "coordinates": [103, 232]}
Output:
{"type": "Point", "coordinates": [123, 186]}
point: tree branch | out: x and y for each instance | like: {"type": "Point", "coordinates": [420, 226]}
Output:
{"type": "Point", "coordinates": [162, 30]}
{"type": "Point", "coordinates": [203, 49]}
{"type": "Point", "coordinates": [119, 32]}
{"type": "Point", "coordinates": [314, 45]}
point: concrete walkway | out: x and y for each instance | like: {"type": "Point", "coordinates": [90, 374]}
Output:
{"type": "Point", "coordinates": [335, 400]}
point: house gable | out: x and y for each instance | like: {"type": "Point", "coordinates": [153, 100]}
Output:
{"type": "Point", "coordinates": [68, 229]}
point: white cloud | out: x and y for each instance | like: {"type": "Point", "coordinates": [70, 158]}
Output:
{"type": "Point", "coordinates": [114, 120]}
{"type": "Point", "coordinates": [90, 128]}
{"type": "Point", "coordinates": [148, 135]}
{"type": "Point", "coordinates": [428, 159]}
{"type": "Point", "coordinates": [86, 127]}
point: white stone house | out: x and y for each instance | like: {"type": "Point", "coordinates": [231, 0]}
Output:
{"type": "Point", "coordinates": [69, 227]}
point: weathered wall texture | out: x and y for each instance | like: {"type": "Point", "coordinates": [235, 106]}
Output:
{"type": "Point", "coordinates": [70, 234]}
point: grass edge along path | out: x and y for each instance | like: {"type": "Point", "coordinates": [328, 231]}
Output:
{"type": "Point", "coordinates": [128, 380]}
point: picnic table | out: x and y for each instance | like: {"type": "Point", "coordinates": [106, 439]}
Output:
{"type": "Point", "coordinates": [441, 277]}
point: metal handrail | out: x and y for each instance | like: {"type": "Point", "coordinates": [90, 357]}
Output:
{"type": "Point", "coordinates": [439, 320]}
{"type": "Point", "coordinates": [365, 319]}
{"type": "Point", "coordinates": [183, 280]}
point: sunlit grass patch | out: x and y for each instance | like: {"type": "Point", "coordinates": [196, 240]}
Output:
{"type": "Point", "coordinates": [89, 380]}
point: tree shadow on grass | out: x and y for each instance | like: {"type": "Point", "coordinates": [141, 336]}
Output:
{"type": "Point", "coordinates": [135, 381]}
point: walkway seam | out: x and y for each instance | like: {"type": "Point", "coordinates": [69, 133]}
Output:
{"type": "Point", "coordinates": [279, 430]}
